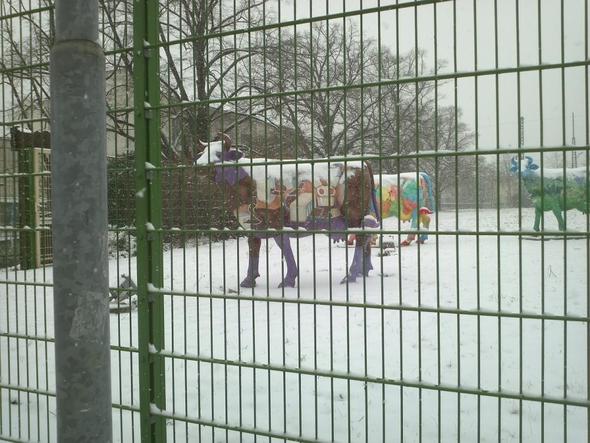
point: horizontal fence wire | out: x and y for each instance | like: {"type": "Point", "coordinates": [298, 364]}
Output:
{"type": "Point", "coordinates": [365, 379]}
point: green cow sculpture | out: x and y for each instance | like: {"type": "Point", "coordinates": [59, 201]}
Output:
{"type": "Point", "coordinates": [553, 189]}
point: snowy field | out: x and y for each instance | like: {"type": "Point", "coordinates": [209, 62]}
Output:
{"type": "Point", "coordinates": [398, 337]}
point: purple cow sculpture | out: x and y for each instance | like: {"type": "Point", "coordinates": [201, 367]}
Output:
{"type": "Point", "coordinates": [266, 197]}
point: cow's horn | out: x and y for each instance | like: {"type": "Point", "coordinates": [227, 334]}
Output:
{"type": "Point", "coordinates": [202, 143]}
{"type": "Point", "coordinates": [529, 160]}
{"type": "Point", "coordinates": [225, 138]}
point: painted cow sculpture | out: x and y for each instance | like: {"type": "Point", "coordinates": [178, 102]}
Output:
{"type": "Point", "coordinates": [409, 197]}
{"type": "Point", "coordinates": [331, 196]}
{"type": "Point", "coordinates": [553, 193]}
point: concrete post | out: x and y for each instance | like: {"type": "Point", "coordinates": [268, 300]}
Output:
{"type": "Point", "coordinates": [80, 273]}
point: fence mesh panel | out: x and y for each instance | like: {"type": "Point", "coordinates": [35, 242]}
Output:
{"type": "Point", "coordinates": [444, 145]}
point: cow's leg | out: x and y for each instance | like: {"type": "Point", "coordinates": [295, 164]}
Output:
{"type": "Point", "coordinates": [425, 219]}
{"type": "Point", "coordinates": [371, 223]}
{"type": "Point", "coordinates": [538, 216]}
{"type": "Point", "coordinates": [367, 265]}
{"type": "Point", "coordinates": [253, 259]}
{"type": "Point", "coordinates": [559, 217]}
{"type": "Point", "coordinates": [361, 261]}
{"type": "Point", "coordinates": [355, 267]}
{"type": "Point", "coordinates": [411, 237]}
{"type": "Point", "coordinates": [285, 244]}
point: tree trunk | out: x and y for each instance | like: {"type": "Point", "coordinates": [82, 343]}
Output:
{"type": "Point", "coordinates": [200, 53]}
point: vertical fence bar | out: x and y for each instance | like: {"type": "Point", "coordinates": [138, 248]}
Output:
{"type": "Point", "coordinates": [587, 161]}
{"type": "Point", "coordinates": [148, 219]}
{"type": "Point", "coordinates": [80, 271]}
{"type": "Point", "coordinates": [27, 200]}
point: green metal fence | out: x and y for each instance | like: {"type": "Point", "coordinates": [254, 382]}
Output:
{"type": "Point", "coordinates": [480, 333]}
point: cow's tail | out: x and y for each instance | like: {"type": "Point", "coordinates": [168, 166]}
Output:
{"type": "Point", "coordinates": [374, 193]}
{"type": "Point", "coordinates": [431, 201]}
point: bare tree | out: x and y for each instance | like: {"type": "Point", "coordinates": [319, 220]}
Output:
{"type": "Point", "coordinates": [441, 131]}
{"type": "Point", "coordinates": [24, 58]}
{"type": "Point", "coordinates": [334, 114]}
{"type": "Point", "coordinates": [346, 96]}
{"type": "Point", "coordinates": [199, 62]}
{"type": "Point", "coordinates": [204, 55]}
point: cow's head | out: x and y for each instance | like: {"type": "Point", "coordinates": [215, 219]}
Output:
{"type": "Point", "coordinates": [231, 174]}
{"type": "Point", "coordinates": [526, 166]}
{"type": "Point", "coordinates": [217, 151]}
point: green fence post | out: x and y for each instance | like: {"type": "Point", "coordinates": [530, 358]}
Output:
{"type": "Point", "coordinates": [149, 219]}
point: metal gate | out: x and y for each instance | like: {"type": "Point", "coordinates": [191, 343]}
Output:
{"type": "Point", "coordinates": [474, 119]}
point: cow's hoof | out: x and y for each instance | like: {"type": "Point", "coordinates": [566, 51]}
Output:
{"type": "Point", "coordinates": [348, 279]}
{"type": "Point", "coordinates": [287, 283]}
{"type": "Point", "coordinates": [248, 283]}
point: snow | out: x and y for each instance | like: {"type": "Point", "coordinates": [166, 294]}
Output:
{"type": "Point", "coordinates": [576, 174]}
{"type": "Point", "coordinates": [290, 175]}
{"type": "Point", "coordinates": [557, 173]}
{"type": "Point", "coordinates": [395, 179]}
{"type": "Point", "coordinates": [294, 173]}
{"type": "Point", "coordinates": [323, 328]}
{"type": "Point", "coordinates": [210, 154]}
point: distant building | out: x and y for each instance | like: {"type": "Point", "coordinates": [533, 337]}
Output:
{"type": "Point", "coordinates": [257, 135]}
{"type": "Point", "coordinates": [262, 136]}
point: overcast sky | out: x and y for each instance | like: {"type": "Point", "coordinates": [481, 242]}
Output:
{"type": "Point", "coordinates": [551, 28]}
{"type": "Point", "coordinates": [574, 44]}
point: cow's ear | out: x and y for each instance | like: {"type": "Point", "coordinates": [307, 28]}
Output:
{"type": "Point", "coordinates": [533, 167]}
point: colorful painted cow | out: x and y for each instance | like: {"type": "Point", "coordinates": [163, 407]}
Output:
{"type": "Point", "coordinates": [409, 197]}
{"type": "Point", "coordinates": [331, 196]}
{"type": "Point", "coordinates": [553, 193]}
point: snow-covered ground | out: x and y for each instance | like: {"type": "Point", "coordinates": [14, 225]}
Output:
{"type": "Point", "coordinates": [398, 337]}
